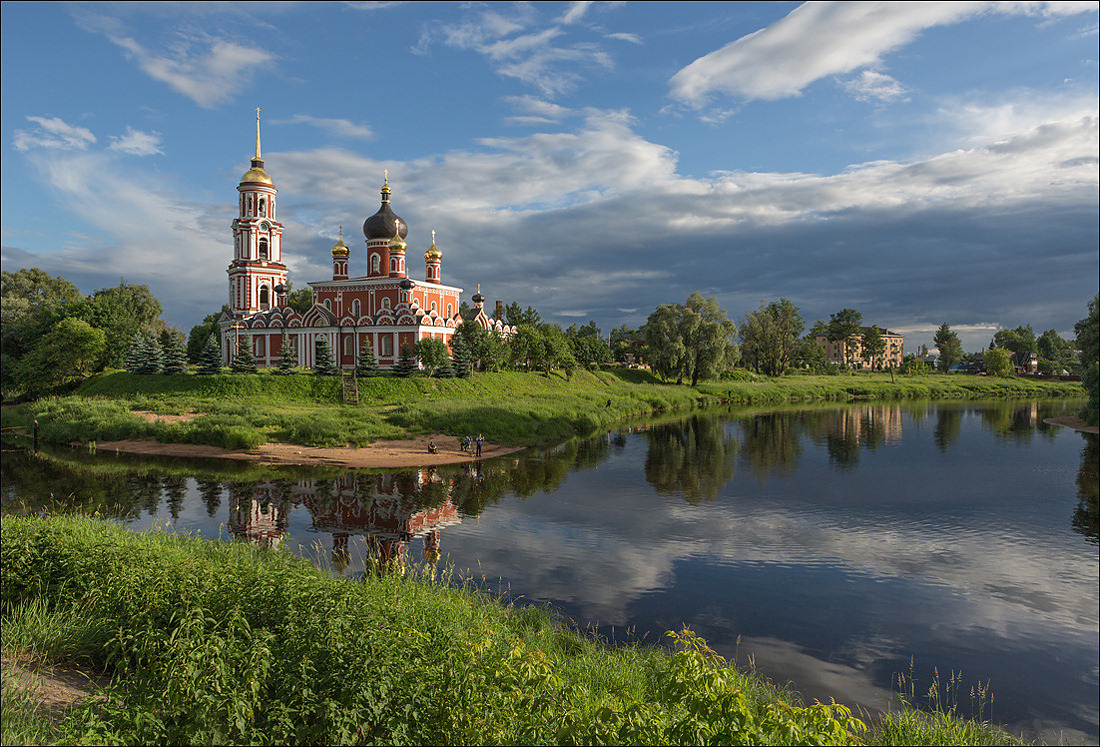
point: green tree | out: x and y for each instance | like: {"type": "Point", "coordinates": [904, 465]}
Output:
{"type": "Point", "coordinates": [196, 340]}
{"type": "Point", "coordinates": [300, 300]}
{"type": "Point", "coordinates": [406, 363]}
{"type": "Point", "coordinates": [770, 337]}
{"type": "Point", "coordinates": [289, 360]}
{"type": "Point", "coordinates": [873, 346]}
{"type": "Point", "coordinates": [31, 303]}
{"type": "Point", "coordinates": [121, 312]}
{"type": "Point", "coordinates": [525, 346]}
{"type": "Point", "coordinates": [845, 326]}
{"type": "Point", "coordinates": [997, 362]}
{"type": "Point", "coordinates": [1019, 341]}
{"type": "Point", "coordinates": [174, 352]}
{"type": "Point", "coordinates": [322, 359]}
{"type": "Point", "coordinates": [691, 340]}
{"type": "Point", "coordinates": [367, 365]}
{"type": "Point", "coordinates": [554, 350]}
{"type": "Point", "coordinates": [517, 316]}
{"type": "Point", "coordinates": [70, 351]}
{"type": "Point", "coordinates": [243, 362]}
{"type": "Point", "coordinates": [950, 348]}
{"type": "Point", "coordinates": [461, 356]}
{"type": "Point", "coordinates": [1088, 342]}
{"type": "Point", "coordinates": [210, 362]}
{"type": "Point", "coordinates": [432, 353]}
{"type": "Point", "coordinates": [1054, 351]}
{"type": "Point", "coordinates": [913, 365]}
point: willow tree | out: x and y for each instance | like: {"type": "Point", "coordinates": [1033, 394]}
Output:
{"type": "Point", "coordinates": [694, 339]}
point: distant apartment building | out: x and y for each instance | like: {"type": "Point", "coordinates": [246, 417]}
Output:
{"type": "Point", "coordinates": [843, 351]}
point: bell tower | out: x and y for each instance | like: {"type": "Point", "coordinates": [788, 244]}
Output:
{"type": "Point", "coordinates": [257, 267]}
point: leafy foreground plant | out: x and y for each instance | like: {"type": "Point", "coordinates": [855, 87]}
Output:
{"type": "Point", "coordinates": [225, 643]}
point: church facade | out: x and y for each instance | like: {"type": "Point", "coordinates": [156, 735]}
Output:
{"type": "Point", "coordinates": [385, 309]}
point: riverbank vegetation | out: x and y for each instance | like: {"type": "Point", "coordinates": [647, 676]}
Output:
{"type": "Point", "coordinates": [238, 411]}
{"type": "Point", "coordinates": [208, 642]}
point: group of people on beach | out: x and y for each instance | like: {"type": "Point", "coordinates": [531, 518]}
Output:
{"type": "Point", "coordinates": [465, 445]}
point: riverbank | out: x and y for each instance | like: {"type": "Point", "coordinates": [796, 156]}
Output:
{"type": "Point", "coordinates": [241, 414]}
{"type": "Point", "coordinates": [1075, 422]}
{"type": "Point", "coordinates": [228, 643]}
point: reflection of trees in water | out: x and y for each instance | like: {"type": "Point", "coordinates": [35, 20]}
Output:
{"type": "Point", "coordinates": [145, 492]}
{"type": "Point", "coordinates": [44, 484]}
{"type": "Point", "coordinates": [175, 488]}
{"type": "Point", "coordinates": [210, 491]}
{"type": "Point", "coordinates": [1086, 519]}
{"type": "Point", "coordinates": [693, 458]}
{"type": "Point", "coordinates": [948, 426]}
{"type": "Point", "coordinates": [771, 443]}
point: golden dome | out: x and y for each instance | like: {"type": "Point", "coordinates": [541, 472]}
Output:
{"type": "Point", "coordinates": [340, 249]}
{"type": "Point", "coordinates": [397, 244]}
{"type": "Point", "coordinates": [257, 174]}
{"type": "Point", "coordinates": [433, 252]}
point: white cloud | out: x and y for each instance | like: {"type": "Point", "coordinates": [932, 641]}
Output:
{"type": "Point", "coordinates": [137, 143]}
{"type": "Point", "coordinates": [622, 36]}
{"type": "Point", "coordinates": [519, 48]}
{"type": "Point", "coordinates": [53, 133]}
{"type": "Point", "coordinates": [342, 128]}
{"type": "Point", "coordinates": [870, 85]}
{"type": "Point", "coordinates": [575, 11]}
{"type": "Point", "coordinates": [817, 40]}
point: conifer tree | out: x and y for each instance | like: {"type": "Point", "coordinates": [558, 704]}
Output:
{"type": "Point", "coordinates": [447, 370]}
{"type": "Point", "coordinates": [367, 365]}
{"type": "Point", "coordinates": [289, 361]}
{"type": "Point", "coordinates": [210, 362]}
{"type": "Point", "coordinates": [322, 364]}
{"type": "Point", "coordinates": [243, 362]}
{"type": "Point", "coordinates": [175, 354]}
{"type": "Point", "coordinates": [132, 361]}
{"type": "Point", "coordinates": [149, 356]}
{"type": "Point", "coordinates": [460, 360]}
{"type": "Point", "coordinates": [406, 363]}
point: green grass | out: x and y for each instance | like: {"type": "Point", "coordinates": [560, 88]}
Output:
{"type": "Point", "coordinates": [213, 642]}
{"type": "Point", "coordinates": [510, 408]}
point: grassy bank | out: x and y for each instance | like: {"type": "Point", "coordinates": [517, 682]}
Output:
{"type": "Point", "coordinates": [515, 409]}
{"type": "Point", "coordinates": [224, 643]}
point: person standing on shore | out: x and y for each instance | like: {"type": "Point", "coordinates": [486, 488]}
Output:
{"type": "Point", "coordinates": [479, 440]}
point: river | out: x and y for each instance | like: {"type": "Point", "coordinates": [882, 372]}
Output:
{"type": "Point", "coordinates": [834, 548]}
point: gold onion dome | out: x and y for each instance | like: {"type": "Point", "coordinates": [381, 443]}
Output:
{"type": "Point", "coordinates": [257, 173]}
{"type": "Point", "coordinates": [340, 249]}
{"type": "Point", "coordinates": [433, 251]}
{"type": "Point", "coordinates": [397, 244]}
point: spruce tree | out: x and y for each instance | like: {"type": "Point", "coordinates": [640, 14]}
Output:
{"type": "Point", "coordinates": [447, 370]}
{"type": "Point", "coordinates": [149, 355]}
{"type": "Point", "coordinates": [210, 362]}
{"type": "Point", "coordinates": [289, 361]}
{"type": "Point", "coordinates": [322, 364]}
{"type": "Point", "coordinates": [367, 365]}
{"type": "Point", "coordinates": [132, 361]}
{"type": "Point", "coordinates": [175, 355]}
{"type": "Point", "coordinates": [243, 362]}
{"type": "Point", "coordinates": [406, 364]}
{"type": "Point", "coordinates": [460, 359]}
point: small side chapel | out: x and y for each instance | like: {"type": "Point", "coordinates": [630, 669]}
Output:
{"type": "Point", "coordinates": [385, 309]}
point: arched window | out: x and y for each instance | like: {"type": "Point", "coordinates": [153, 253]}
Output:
{"type": "Point", "coordinates": [387, 345]}
{"type": "Point", "coordinates": [328, 304]}
{"type": "Point", "coordinates": [265, 299]}
{"type": "Point", "coordinates": [433, 307]}
{"type": "Point", "coordinates": [263, 249]}
{"type": "Point", "coordinates": [375, 264]}
{"type": "Point", "coordinates": [260, 346]}
{"type": "Point", "coordinates": [349, 345]}
{"type": "Point", "coordinates": [263, 207]}
{"type": "Point", "coordinates": [355, 308]}
{"type": "Point", "coordinates": [385, 303]}
{"type": "Point", "coordinates": [450, 310]}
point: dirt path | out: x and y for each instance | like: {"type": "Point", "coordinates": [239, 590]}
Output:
{"type": "Point", "coordinates": [410, 452]}
{"type": "Point", "coordinates": [56, 688]}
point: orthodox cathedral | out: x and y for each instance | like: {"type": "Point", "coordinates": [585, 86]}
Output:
{"type": "Point", "coordinates": [384, 309]}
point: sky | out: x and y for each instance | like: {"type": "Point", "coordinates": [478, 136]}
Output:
{"type": "Point", "coordinates": [919, 162]}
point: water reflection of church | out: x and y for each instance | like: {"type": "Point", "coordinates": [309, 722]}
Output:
{"type": "Point", "coordinates": [388, 510]}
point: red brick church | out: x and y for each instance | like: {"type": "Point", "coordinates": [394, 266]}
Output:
{"type": "Point", "coordinates": [385, 308]}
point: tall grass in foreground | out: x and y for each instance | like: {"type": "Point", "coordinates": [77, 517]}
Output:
{"type": "Point", "coordinates": [226, 643]}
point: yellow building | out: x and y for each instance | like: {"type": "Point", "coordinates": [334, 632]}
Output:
{"type": "Point", "coordinates": [851, 350]}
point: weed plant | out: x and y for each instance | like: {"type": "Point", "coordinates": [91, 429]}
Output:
{"type": "Point", "coordinates": [226, 643]}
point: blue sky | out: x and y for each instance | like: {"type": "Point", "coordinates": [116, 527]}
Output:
{"type": "Point", "coordinates": [922, 162]}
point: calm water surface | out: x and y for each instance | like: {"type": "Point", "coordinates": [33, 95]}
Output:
{"type": "Point", "coordinates": [834, 547]}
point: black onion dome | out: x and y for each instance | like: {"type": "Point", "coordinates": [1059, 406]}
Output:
{"type": "Point", "coordinates": [382, 224]}
{"type": "Point", "coordinates": [407, 284]}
